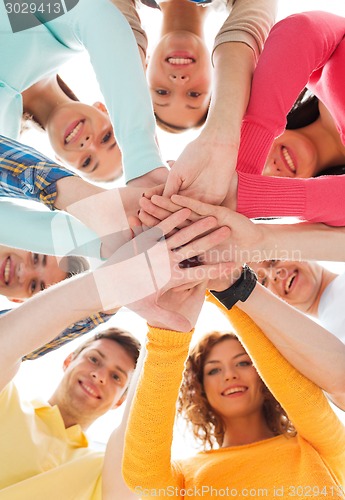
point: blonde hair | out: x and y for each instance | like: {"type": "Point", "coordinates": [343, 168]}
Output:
{"type": "Point", "coordinates": [206, 425]}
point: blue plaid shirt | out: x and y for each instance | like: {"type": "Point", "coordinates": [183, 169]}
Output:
{"type": "Point", "coordinates": [25, 173]}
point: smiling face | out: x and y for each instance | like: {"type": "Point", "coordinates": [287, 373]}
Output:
{"type": "Point", "coordinates": [293, 154]}
{"type": "Point", "coordinates": [298, 283]}
{"type": "Point", "coordinates": [82, 136]}
{"type": "Point", "coordinates": [179, 76]}
{"type": "Point", "coordinates": [94, 381]}
{"type": "Point", "coordinates": [22, 273]}
{"type": "Point", "coordinates": [232, 385]}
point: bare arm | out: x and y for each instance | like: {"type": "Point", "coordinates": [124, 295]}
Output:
{"type": "Point", "coordinates": [254, 242]}
{"type": "Point", "coordinates": [312, 350]}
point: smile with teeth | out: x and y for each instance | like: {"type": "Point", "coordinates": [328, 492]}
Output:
{"type": "Point", "coordinates": [180, 60]}
{"type": "Point", "coordinates": [89, 390]}
{"type": "Point", "coordinates": [288, 159]}
{"type": "Point", "coordinates": [7, 271]}
{"type": "Point", "coordinates": [234, 390]}
{"type": "Point", "coordinates": [289, 282]}
{"type": "Point", "coordinates": [74, 132]}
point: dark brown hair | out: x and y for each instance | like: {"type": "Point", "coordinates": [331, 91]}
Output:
{"type": "Point", "coordinates": [125, 339]}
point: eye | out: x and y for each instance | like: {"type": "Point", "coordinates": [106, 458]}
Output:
{"type": "Point", "coordinates": [106, 138]}
{"type": "Point", "coordinates": [86, 162]}
{"type": "Point", "coordinates": [162, 92]}
{"type": "Point", "coordinates": [214, 371]}
{"type": "Point", "coordinates": [93, 359]}
{"type": "Point", "coordinates": [35, 258]}
{"type": "Point", "coordinates": [32, 286]}
{"type": "Point", "coordinates": [194, 94]}
{"type": "Point", "coordinates": [116, 377]}
{"type": "Point", "coordinates": [245, 363]}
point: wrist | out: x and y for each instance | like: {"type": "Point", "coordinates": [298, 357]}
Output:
{"type": "Point", "coordinates": [238, 291]}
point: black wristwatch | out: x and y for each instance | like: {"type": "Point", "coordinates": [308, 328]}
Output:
{"type": "Point", "coordinates": [240, 290]}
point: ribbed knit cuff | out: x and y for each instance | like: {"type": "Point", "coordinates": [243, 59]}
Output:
{"type": "Point", "coordinates": [260, 196]}
{"type": "Point", "coordinates": [256, 141]}
{"type": "Point", "coordinates": [168, 338]}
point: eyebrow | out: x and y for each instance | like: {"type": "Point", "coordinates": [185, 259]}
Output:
{"type": "Point", "coordinates": [97, 163]}
{"type": "Point", "coordinates": [235, 357]}
{"type": "Point", "coordinates": [116, 366]}
{"type": "Point", "coordinates": [188, 106]}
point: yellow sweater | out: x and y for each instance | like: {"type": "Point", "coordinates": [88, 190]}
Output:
{"type": "Point", "coordinates": [310, 465]}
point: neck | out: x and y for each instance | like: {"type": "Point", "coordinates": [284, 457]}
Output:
{"type": "Point", "coordinates": [68, 416]}
{"type": "Point", "coordinates": [326, 278]}
{"type": "Point", "coordinates": [246, 430]}
{"type": "Point", "coordinates": [182, 15]}
{"type": "Point", "coordinates": [41, 99]}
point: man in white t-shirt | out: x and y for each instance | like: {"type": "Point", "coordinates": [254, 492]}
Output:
{"type": "Point", "coordinates": [309, 287]}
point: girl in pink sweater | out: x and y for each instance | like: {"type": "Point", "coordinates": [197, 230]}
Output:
{"type": "Point", "coordinates": [305, 49]}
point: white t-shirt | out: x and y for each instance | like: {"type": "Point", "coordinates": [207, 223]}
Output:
{"type": "Point", "coordinates": [331, 309]}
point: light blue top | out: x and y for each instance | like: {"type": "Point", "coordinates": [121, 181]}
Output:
{"type": "Point", "coordinates": [42, 231]}
{"type": "Point", "coordinates": [98, 27]}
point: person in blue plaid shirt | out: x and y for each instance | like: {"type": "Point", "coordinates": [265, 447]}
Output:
{"type": "Point", "coordinates": [29, 175]}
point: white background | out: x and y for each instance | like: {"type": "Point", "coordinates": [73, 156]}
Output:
{"type": "Point", "coordinates": [40, 377]}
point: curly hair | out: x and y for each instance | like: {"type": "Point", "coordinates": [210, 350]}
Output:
{"type": "Point", "coordinates": [205, 423]}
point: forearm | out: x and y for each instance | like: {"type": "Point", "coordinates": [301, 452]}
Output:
{"type": "Point", "coordinates": [166, 354]}
{"type": "Point", "coordinates": [70, 333]}
{"type": "Point", "coordinates": [233, 68]}
{"type": "Point", "coordinates": [101, 26]}
{"type": "Point", "coordinates": [49, 233]}
{"type": "Point", "coordinates": [317, 199]}
{"type": "Point", "coordinates": [296, 48]}
{"type": "Point", "coordinates": [301, 241]}
{"type": "Point", "coordinates": [43, 317]}
{"type": "Point", "coordinates": [312, 350]}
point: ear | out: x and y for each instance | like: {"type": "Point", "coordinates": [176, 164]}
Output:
{"type": "Point", "coordinates": [68, 361]}
{"type": "Point", "coordinates": [120, 401]}
{"type": "Point", "coordinates": [17, 301]}
{"type": "Point", "coordinates": [100, 106]}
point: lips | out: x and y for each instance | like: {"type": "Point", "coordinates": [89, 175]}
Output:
{"type": "Point", "coordinates": [289, 282]}
{"type": "Point", "coordinates": [180, 59]}
{"type": "Point", "coordinates": [89, 389]}
{"type": "Point", "coordinates": [288, 161]}
{"type": "Point", "coordinates": [233, 391]}
{"type": "Point", "coordinates": [73, 132]}
{"type": "Point", "coordinates": [7, 271]}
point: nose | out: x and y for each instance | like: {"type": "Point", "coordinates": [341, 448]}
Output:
{"type": "Point", "coordinates": [231, 374]}
{"type": "Point", "coordinates": [99, 376]}
{"type": "Point", "coordinates": [25, 273]}
{"type": "Point", "coordinates": [271, 168]}
{"type": "Point", "coordinates": [178, 79]}
{"type": "Point", "coordinates": [85, 141]}
{"type": "Point", "coordinates": [274, 274]}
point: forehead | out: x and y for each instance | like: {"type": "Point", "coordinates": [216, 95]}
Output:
{"type": "Point", "coordinates": [112, 353]}
{"type": "Point", "coordinates": [224, 349]}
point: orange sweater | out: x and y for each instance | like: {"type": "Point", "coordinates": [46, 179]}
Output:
{"type": "Point", "coordinates": [312, 464]}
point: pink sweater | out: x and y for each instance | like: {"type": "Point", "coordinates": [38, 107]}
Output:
{"type": "Point", "coordinates": [305, 49]}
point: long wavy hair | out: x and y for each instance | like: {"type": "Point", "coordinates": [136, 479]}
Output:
{"type": "Point", "coordinates": [206, 425]}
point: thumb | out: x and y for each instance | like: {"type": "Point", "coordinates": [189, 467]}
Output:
{"type": "Point", "coordinates": [173, 185]}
